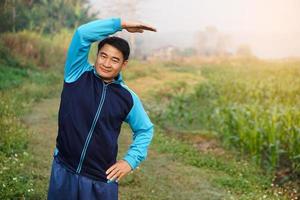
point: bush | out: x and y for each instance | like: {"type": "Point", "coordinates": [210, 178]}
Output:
{"type": "Point", "coordinates": [34, 49]}
{"type": "Point", "coordinates": [20, 87]}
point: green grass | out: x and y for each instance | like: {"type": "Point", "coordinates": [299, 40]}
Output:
{"type": "Point", "coordinates": [243, 179]}
{"type": "Point", "coordinates": [20, 88]}
{"type": "Point", "coordinates": [253, 106]}
{"type": "Point", "coordinates": [226, 176]}
{"type": "Point", "coordinates": [11, 77]}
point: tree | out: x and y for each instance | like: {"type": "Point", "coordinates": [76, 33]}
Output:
{"type": "Point", "coordinates": [45, 16]}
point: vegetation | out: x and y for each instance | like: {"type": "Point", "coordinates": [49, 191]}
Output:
{"type": "Point", "coordinates": [253, 106]}
{"type": "Point", "coordinates": [243, 180]}
{"type": "Point", "coordinates": [22, 84]}
{"type": "Point", "coordinates": [181, 134]}
{"type": "Point", "coordinates": [43, 16]}
{"type": "Point", "coordinates": [31, 66]}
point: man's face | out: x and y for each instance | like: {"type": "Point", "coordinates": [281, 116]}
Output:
{"type": "Point", "coordinates": [109, 63]}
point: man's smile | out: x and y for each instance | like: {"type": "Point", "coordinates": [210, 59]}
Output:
{"type": "Point", "coordinates": [105, 70]}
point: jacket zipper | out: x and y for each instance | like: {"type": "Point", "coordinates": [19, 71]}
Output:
{"type": "Point", "coordinates": [87, 141]}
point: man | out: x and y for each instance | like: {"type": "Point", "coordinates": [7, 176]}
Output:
{"type": "Point", "coordinates": [94, 103]}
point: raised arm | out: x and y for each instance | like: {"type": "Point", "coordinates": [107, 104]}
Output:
{"type": "Point", "coordinates": [77, 57]}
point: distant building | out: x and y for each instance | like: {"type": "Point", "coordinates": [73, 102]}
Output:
{"type": "Point", "coordinates": [168, 53]}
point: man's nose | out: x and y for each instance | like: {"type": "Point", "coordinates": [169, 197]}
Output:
{"type": "Point", "coordinates": [106, 63]}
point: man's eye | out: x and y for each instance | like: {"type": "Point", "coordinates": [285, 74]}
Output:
{"type": "Point", "coordinates": [115, 61]}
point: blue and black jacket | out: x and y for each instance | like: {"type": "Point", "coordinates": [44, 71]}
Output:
{"type": "Point", "coordinates": [91, 111]}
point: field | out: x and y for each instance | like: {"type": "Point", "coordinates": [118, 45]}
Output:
{"type": "Point", "coordinates": [251, 105]}
{"type": "Point", "coordinates": [224, 129]}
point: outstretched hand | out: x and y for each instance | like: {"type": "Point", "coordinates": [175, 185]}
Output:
{"type": "Point", "coordinates": [136, 27]}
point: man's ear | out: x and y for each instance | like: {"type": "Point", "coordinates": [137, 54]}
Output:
{"type": "Point", "coordinates": [124, 64]}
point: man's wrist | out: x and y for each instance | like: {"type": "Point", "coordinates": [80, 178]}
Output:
{"type": "Point", "coordinates": [123, 24]}
{"type": "Point", "coordinates": [127, 163]}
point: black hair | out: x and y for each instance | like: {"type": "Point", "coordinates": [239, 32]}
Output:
{"type": "Point", "coordinates": [117, 42]}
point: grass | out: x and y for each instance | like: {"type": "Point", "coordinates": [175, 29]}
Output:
{"type": "Point", "coordinates": [21, 87]}
{"type": "Point", "coordinates": [34, 49]}
{"type": "Point", "coordinates": [175, 169]}
{"type": "Point", "coordinates": [253, 107]}
{"type": "Point", "coordinates": [243, 180]}
{"type": "Point", "coordinates": [230, 171]}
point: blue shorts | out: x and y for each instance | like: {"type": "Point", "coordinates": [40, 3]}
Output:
{"type": "Point", "coordinates": [65, 185]}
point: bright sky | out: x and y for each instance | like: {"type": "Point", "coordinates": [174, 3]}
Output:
{"type": "Point", "coordinates": [270, 27]}
{"type": "Point", "coordinates": [236, 15]}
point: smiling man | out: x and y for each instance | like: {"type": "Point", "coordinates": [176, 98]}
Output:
{"type": "Point", "coordinates": [94, 104]}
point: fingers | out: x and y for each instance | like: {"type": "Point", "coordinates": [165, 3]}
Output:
{"type": "Point", "coordinates": [137, 27]}
{"type": "Point", "coordinates": [115, 176]}
{"type": "Point", "coordinates": [135, 30]}
{"type": "Point", "coordinates": [111, 168]}
{"type": "Point", "coordinates": [121, 175]}
{"type": "Point", "coordinates": [118, 170]}
{"type": "Point", "coordinates": [113, 173]}
{"type": "Point", "coordinates": [147, 27]}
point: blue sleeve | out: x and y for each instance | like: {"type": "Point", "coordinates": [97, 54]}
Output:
{"type": "Point", "coordinates": [142, 133]}
{"type": "Point", "coordinates": [77, 57]}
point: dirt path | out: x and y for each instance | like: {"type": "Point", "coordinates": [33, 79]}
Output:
{"type": "Point", "coordinates": [159, 177]}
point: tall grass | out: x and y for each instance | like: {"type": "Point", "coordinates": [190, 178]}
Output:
{"type": "Point", "coordinates": [34, 49]}
{"type": "Point", "coordinates": [254, 106]}
{"type": "Point", "coordinates": [22, 84]}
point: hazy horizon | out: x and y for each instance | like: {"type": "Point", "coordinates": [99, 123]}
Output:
{"type": "Point", "coordinates": [270, 28]}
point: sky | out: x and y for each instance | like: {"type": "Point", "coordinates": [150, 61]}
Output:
{"type": "Point", "coordinates": [270, 27]}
